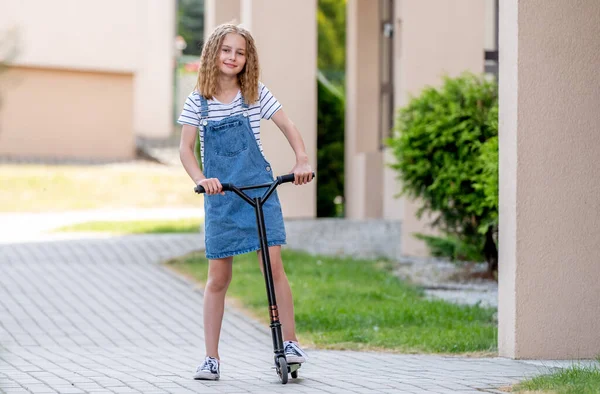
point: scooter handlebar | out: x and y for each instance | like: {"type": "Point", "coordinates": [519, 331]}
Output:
{"type": "Point", "coordinates": [228, 186]}
{"type": "Point", "coordinates": [288, 178]}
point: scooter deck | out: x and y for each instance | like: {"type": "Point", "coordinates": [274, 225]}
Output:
{"type": "Point", "coordinates": [292, 367]}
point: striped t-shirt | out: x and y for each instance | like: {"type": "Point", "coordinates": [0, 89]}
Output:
{"type": "Point", "coordinates": [264, 108]}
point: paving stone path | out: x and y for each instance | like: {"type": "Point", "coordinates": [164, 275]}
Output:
{"type": "Point", "coordinates": [103, 316]}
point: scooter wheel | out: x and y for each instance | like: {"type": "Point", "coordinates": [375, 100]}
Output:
{"type": "Point", "coordinates": [295, 375]}
{"type": "Point", "coordinates": [282, 369]}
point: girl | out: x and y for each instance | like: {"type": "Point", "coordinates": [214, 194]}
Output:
{"type": "Point", "coordinates": [227, 105]}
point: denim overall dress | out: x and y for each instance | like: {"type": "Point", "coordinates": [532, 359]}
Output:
{"type": "Point", "coordinates": [232, 155]}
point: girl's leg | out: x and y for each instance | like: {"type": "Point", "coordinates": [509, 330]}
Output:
{"type": "Point", "coordinates": [283, 293]}
{"type": "Point", "coordinates": [219, 277]}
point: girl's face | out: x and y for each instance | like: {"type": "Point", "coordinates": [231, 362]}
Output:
{"type": "Point", "coordinates": [232, 55]}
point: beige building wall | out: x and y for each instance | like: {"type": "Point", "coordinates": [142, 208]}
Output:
{"type": "Point", "coordinates": [549, 185]}
{"type": "Point", "coordinates": [59, 113]}
{"type": "Point", "coordinates": [490, 24]}
{"type": "Point", "coordinates": [154, 49]}
{"type": "Point", "coordinates": [363, 159]}
{"type": "Point", "coordinates": [132, 39]}
{"type": "Point", "coordinates": [393, 203]}
{"type": "Point", "coordinates": [394, 207]}
{"type": "Point", "coordinates": [286, 37]}
{"type": "Point", "coordinates": [220, 11]}
{"type": "Point", "coordinates": [437, 38]}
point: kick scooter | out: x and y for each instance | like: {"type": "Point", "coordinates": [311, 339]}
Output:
{"type": "Point", "coordinates": [281, 365]}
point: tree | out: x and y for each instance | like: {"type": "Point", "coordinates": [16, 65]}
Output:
{"type": "Point", "coordinates": [330, 155]}
{"type": "Point", "coordinates": [190, 25]}
{"type": "Point", "coordinates": [331, 21]}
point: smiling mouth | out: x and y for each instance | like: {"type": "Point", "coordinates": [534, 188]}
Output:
{"type": "Point", "coordinates": [230, 65]}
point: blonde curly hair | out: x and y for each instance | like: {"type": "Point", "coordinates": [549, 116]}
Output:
{"type": "Point", "coordinates": [208, 72]}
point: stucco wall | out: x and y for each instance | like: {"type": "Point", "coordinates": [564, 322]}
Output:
{"type": "Point", "coordinates": [64, 114]}
{"type": "Point", "coordinates": [549, 183]}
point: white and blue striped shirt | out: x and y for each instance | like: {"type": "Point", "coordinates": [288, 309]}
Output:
{"type": "Point", "coordinates": [264, 108]}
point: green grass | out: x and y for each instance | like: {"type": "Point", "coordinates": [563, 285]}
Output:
{"type": "Point", "coordinates": [357, 304]}
{"type": "Point", "coordinates": [55, 188]}
{"type": "Point", "coordinates": [137, 227]}
{"type": "Point", "coordinates": [572, 380]}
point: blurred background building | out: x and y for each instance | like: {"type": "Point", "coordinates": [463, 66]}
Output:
{"type": "Point", "coordinates": [87, 77]}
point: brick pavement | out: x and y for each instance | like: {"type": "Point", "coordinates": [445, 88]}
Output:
{"type": "Point", "coordinates": [101, 316]}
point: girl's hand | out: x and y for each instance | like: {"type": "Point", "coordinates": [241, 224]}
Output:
{"type": "Point", "coordinates": [302, 173]}
{"type": "Point", "coordinates": [211, 186]}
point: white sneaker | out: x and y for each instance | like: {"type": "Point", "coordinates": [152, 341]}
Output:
{"type": "Point", "coordinates": [208, 370]}
{"type": "Point", "coordinates": [293, 353]}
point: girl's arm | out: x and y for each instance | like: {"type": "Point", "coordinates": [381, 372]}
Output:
{"type": "Point", "coordinates": [188, 159]}
{"type": "Point", "coordinates": [302, 170]}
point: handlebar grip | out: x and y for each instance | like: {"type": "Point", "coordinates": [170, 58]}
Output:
{"type": "Point", "coordinates": [288, 178]}
{"type": "Point", "coordinates": [226, 187]}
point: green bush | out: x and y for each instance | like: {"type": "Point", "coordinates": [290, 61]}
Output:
{"type": "Point", "coordinates": [488, 178]}
{"type": "Point", "coordinates": [451, 247]}
{"type": "Point", "coordinates": [331, 36]}
{"type": "Point", "coordinates": [445, 146]}
{"type": "Point", "coordinates": [330, 143]}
